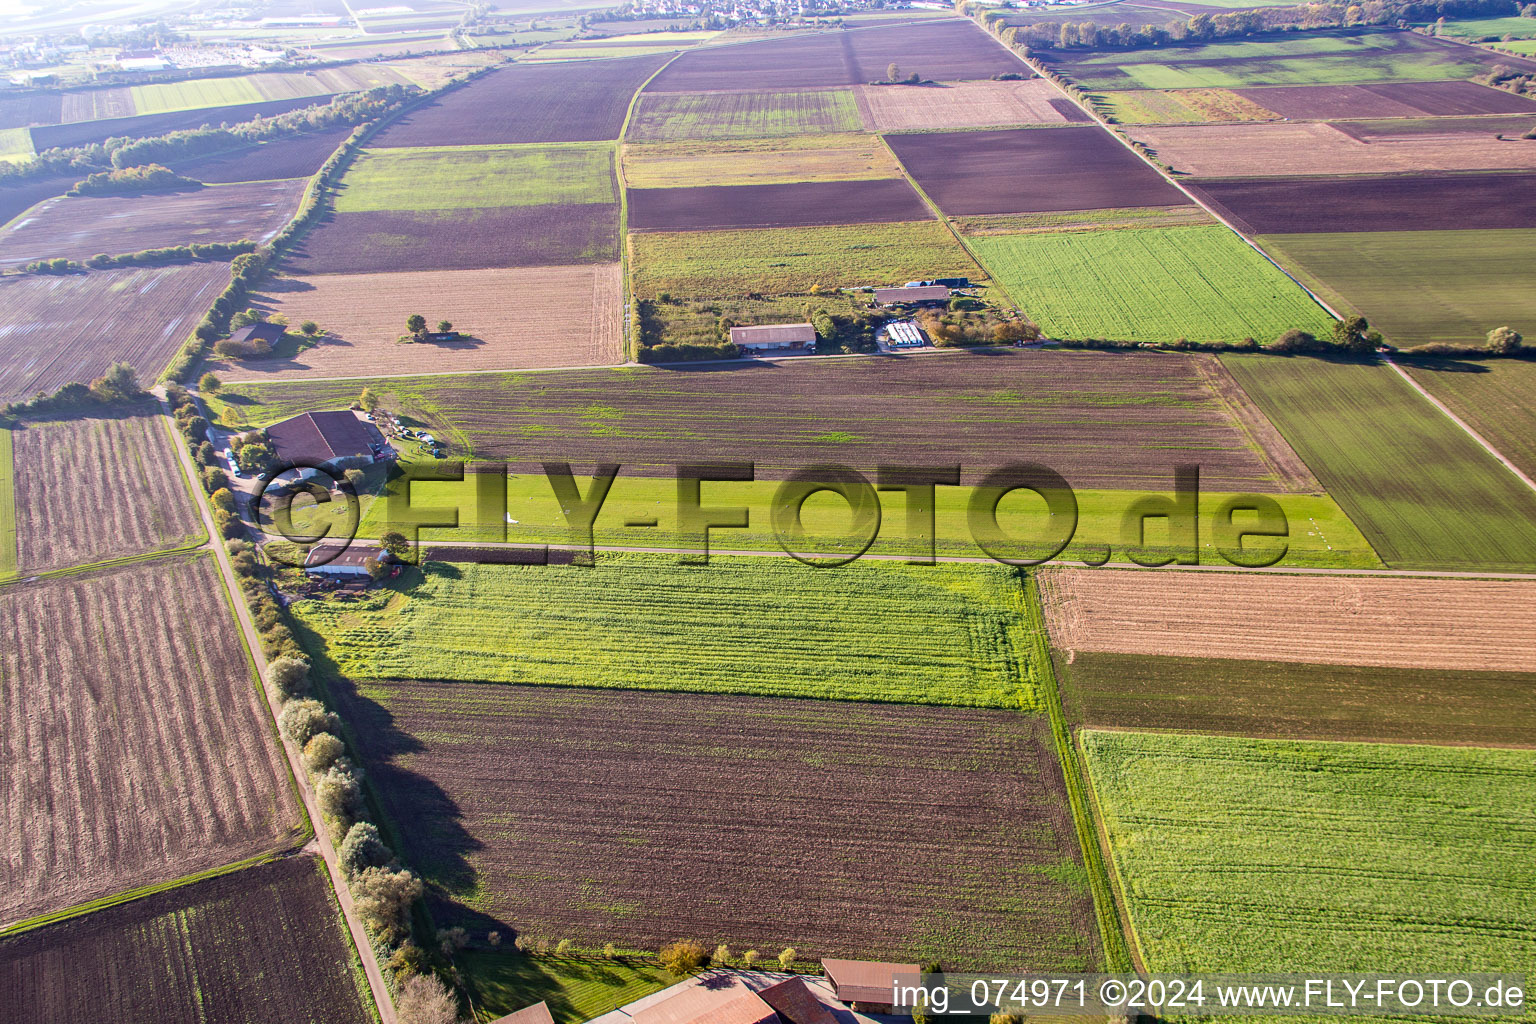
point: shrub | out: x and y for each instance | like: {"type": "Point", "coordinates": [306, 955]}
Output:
{"type": "Point", "coordinates": [787, 957]}
{"type": "Point", "coordinates": [493, 939]}
{"type": "Point", "coordinates": [339, 792]}
{"type": "Point", "coordinates": [195, 429]}
{"type": "Point", "coordinates": [1295, 341]}
{"type": "Point", "coordinates": [683, 957]}
{"type": "Point", "coordinates": [383, 897]}
{"type": "Point", "coordinates": [722, 956]}
{"type": "Point", "coordinates": [288, 676]}
{"type": "Point", "coordinates": [119, 384]}
{"type": "Point", "coordinates": [323, 750]}
{"type": "Point", "coordinates": [563, 947]}
{"type": "Point", "coordinates": [424, 999]}
{"type": "Point", "coordinates": [209, 382]}
{"type": "Point", "coordinates": [1505, 340]}
{"type": "Point", "coordinates": [363, 849]}
{"type": "Point", "coordinates": [228, 526]}
{"type": "Point", "coordinates": [301, 719]}
{"type": "Point", "coordinates": [749, 958]}
{"type": "Point", "coordinates": [205, 454]}
{"type": "Point", "coordinates": [215, 479]}
{"type": "Point", "coordinates": [222, 500]}
{"type": "Point", "coordinates": [610, 950]}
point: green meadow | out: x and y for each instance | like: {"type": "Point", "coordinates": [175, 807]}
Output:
{"type": "Point", "coordinates": [460, 177]}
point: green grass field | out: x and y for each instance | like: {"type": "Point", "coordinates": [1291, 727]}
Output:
{"type": "Point", "coordinates": [1421, 286]}
{"type": "Point", "coordinates": [670, 116]}
{"type": "Point", "coordinates": [7, 506]}
{"type": "Point", "coordinates": [16, 144]}
{"type": "Point", "coordinates": [1424, 493]}
{"type": "Point", "coordinates": [1082, 220]}
{"type": "Point", "coordinates": [1201, 283]}
{"type": "Point", "coordinates": [1490, 28]}
{"type": "Point", "coordinates": [1290, 700]}
{"type": "Point", "coordinates": [1273, 855]}
{"type": "Point", "coordinates": [695, 162]}
{"type": "Point", "coordinates": [945, 634]}
{"type": "Point", "coordinates": [793, 260]}
{"type": "Point", "coordinates": [1496, 398]}
{"type": "Point", "coordinates": [576, 989]}
{"type": "Point", "coordinates": [464, 177]}
{"type": "Point", "coordinates": [168, 97]}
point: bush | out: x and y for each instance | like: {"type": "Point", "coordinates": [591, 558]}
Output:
{"type": "Point", "coordinates": [424, 999]}
{"type": "Point", "coordinates": [228, 525]}
{"type": "Point", "coordinates": [787, 957]}
{"type": "Point", "coordinates": [363, 849]}
{"type": "Point", "coordinates": [288, 676]}
{"type": "Point", "coordinates": [1505, 340]}
{"type": "Point", "coordinates": [323, 749]}
{"type": "Point", "coordinates": [209, 382]}
{"type": "Point", "coordinates": [451, 940]}
{"type": "Point", "coordinates": [301, 719]}
{"type": "Point", "coordinates": [205, 455]}
{"type": "Point", "coordinates": [339, 792]}
{"type": "Point", "coordinates": [222, 500]}
{"type": "Point", "coordinates": [383, 897]}
{"type": "Point", "coordinates": [683, 957]}
{"type": "Point", "coordinates": [1295, 341]}
{"type": "Point", "coordinates": [215, 479]}
{"type": "Point", "coordinates": [150, 178]}
{"type": "Point", "coordinates": [749, 958]}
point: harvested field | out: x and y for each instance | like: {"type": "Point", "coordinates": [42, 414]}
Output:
{"type": "Point", "coordinates": [1306, 205]}
{"type": "Point", "coordinates": [262, 944]}
{"type": "Point", "coordinates": [1202, 282]}
{"type": "Point", "coordinates": [1102, 420]}
{"type": "Point", "coordinates": [1421, 286]}
{"type": "Point", "coordinates": [195, 779]}
{"type": "Point", "coordinates": [793, 260]}
{"type": "Point", "coordinates": [15, 199]}
{"type": "Point", "coordinates": [495, 786]}
{"type": "Point", "coordinates": [730, 115]}
{"type": "Point", "coordinates": [1392, 99]}
{"type": "Point", "coordinates": [31, 108]}
{"type": "Point", "coordinates": [1403, 129]}
{"type": "Point", "coordinates": [572, 102]}
{"type": "Point", "coordinates": [85, 132]}
{"type": "Point", "coordinates": [98, 488]}
{"type": "Point", "coordinates": [946, 51]}
{"type": "Point", "coordinates": [1185, 106]}
{"type": "Point", "coordinates": [1031, 169]}
{"type": "Point", "coordinates": [1084, 220]}
{"type": "Point", "coordinates": [1424, 493]}
{"type": "Point", "coordinates": [1497, 398]}
{"type": "Point", "coordinates": [954, 105]}
{"type": "Point", "coordinates": [1292, 700]}
{"type": "Point", "coordinates": [744, 161]}
{"type": "Point", "coordinates": [1316, 620]}
{"type": "Point", "coordinates": [199, 93]}
{"type": "Point", "coordinates": [800, 204]}
{"type": "Point", "coordinates": [79, 227]}
{"type": "Point", "coordinates": [73, 328]}
{"type": "Point", "coordinates": [578, 321]}
{"type": "Point", "coordinates": [646, 622]}
{"type": "Point", "coordinates": [469, 239]}
{"type": "Point", "coordinates": [1280, 855]}
{"type": "Point", "coordinates": [298, 156]}
{"type": "Point", "coordinates": [477, 177]}
{"type": "Point", "coordinates": [1258, 150]}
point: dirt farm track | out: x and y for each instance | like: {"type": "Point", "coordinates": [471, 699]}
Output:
{"type": "Point", "coordinates": [1405, 623]}
{"type": "Point", "coordinates": [129, 760]}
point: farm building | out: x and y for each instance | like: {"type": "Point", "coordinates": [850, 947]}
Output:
{"type": "Point", "coordinates": [269, 333]}
{"type": "Point", "coordinates": [728, 998]}
{"type": "Point", "coordinates": [538, 1013]}
{"type": "Point", "coordinates": [866, 984]}
{"type": "Point", "coordinates": [783, 338]}
{"type": "Point", "coordinates": [913, 295]}
{"type": "Point", "coordinates": [901, 334]}
{"type": "Point", "coordinates": [336, 440]}
{"type": "Point", "coordinates": [341, 561]}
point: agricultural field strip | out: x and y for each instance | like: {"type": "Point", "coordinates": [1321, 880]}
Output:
{"type": "Point", "coordinates": [483, 176]}
{"type": "Point", "coordinates": [1496, 401]}
{"type": "Point", "coordinates": [1292, 618]}
{"type": "Point", "coordinates": [1474, 435]}
{"type": "Point", "coordinates": [1239, 854]}
{"type": "Point", "coordinates": [7, 506]}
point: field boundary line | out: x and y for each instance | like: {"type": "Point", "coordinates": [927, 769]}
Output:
{"type": "Point", "coordinates": [1106, 850]}
{"type": "Point", "coordinates": [8, 550]}
{"type": "Point", "coordinates": [117, 899]}
{"type": "Point", "coordinates": [1474, 435]}
{"type": "Point", "coordinates": [187, 550]}
{"type": "Point", "coordinates": [383, 1002]}
{"type": "Point", "coordinates": [1162, 172]}
{"type": "Point", "coordinates": [1117, 956]}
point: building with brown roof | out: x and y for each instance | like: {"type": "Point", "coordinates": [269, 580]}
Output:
{"type": "Point", "coordinates": [337, 440]}
{"type": "Point", "coordinates": [259, 331]}
{"type": "Point", "coordinates": [775, 337]}
{"type": "Point", "coordinates": [538, 1013]}
{"type": "Point", "coordinates": [716, 1000]}
{"type": "Point", "coordinates": [921, 295]}
{"type": "Point", "coordinates": [795, 1003]}
{"type": "Point", "coordinates": [867, 984]}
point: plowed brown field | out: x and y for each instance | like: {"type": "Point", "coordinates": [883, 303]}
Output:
{"type": "Point", "coordinates": [761, 822]}
{"type": "Point", "coordinates": [263, 944]}
{"type": "Point", "coordinates": [79, 227]}
{"type": "Point", "coordinates": [1403, 623]}
{"type": "Point", "coordinates": [513, 319]}
{"type": "Point", "coordinates": [92, 489]}
{"type": "Point", "coordinates": [1255, 150]}
{"type": "Point", "coordinates": [62, 329]}
{"type": "Point", "coordinates": [899, 108]}
{"type": "Point", "coordinates": [136, 747]}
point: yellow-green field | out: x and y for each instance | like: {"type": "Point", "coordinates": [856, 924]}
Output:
{"type": "Point", "coordinates": [695, 163]}
{"type": "Point", "coordinates": [466, 177]}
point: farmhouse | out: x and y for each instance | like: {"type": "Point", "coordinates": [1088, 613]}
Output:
{"type": "Point", "coordinates": [913, 295]}
{"type": "Point", "coordinates": [260, 331]}
{"type": "Point", "coordinates": [867, 985]}
{"type": "Point", "coordinates": [538, 1013]}
{"type": "Point", "coordinates": [341, 561]}
{"type": "Point", "coordinates": [336, 440]}
{"type": "Point", "coordinates": [782, 338]}
{"type": "Point", "coordinates": [728, 998]}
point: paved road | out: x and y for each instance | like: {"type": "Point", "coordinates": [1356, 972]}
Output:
{"type": "Point", "coordinates": [327, 849]}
